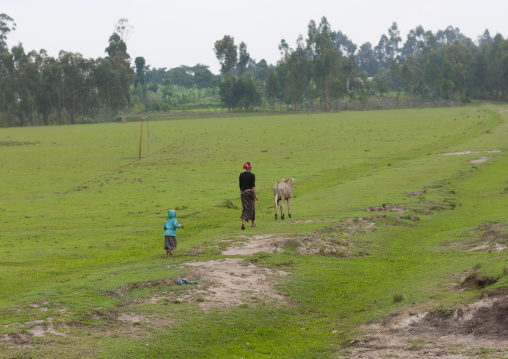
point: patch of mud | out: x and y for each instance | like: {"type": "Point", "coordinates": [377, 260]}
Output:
{"type": "Point", "coordinates": [16, 340]}
{"type": "Point", "coordinates": [479, 330]}
{"type": "Point", "coordinates": [34, 329]}
{"type": "Point", "coordinates": [487, 237]}
{"type": "Point", "coordinates": [231, 281]}
{"type": "Point", "coordinates": [471, 279]}
{"type": "Point", "coordinates": [476, 280]}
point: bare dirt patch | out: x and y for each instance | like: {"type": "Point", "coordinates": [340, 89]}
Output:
{"type": "Point", "coordinates": [469, 152]}
{"type": "Point", "coordinates": [479, 160]}
{"type": "Point", "coordinates": [415, 194]}
{"type": "Point", "coordinates": [232, 281]}
{"type": "Point", "coordinates": [337, 240]}
{"type": "Point", "coordinates": [34, 329]}
{"type": "Point", "coordinates": [490, 237]}
{"type": "Point", "coordinates": [269, 243]}
{"type": "Point", "coordinates": [479, 330]}
{"type": "Point", "coordinates": [459, 153]}
{"type": "Point", "coordinates": [423, 207]}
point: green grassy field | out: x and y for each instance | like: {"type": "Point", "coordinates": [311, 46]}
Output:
{"type": "Point", "coordinates": [81, 217]}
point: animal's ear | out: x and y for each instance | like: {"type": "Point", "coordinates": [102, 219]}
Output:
{"type": "Point", "coordinates": [282, 179]}
{"type": "Point", "coordinates": [292, 180]}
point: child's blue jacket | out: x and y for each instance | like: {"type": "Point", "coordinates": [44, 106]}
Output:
{"type": "Point", "coordinates": [171, 224]}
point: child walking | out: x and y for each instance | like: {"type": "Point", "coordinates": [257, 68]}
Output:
{"type": "Point", "coordinates": [170, 235]}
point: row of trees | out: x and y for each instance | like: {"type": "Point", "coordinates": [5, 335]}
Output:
{"type": "Point", "coordinates": [37, 89]}
{"type": "Point", "coordinates": [327, 67]}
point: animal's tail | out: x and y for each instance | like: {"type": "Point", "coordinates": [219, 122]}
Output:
{"type": "Point", "coordinates": [277, 194]}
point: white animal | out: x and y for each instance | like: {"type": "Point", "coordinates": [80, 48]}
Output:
{"type": "Point", "coordinates": [282, 192]}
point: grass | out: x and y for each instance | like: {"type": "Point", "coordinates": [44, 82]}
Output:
{"type": "Point", "coordinates": [81, 226]}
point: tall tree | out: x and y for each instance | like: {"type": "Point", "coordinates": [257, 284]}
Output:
{"type": "Point", "coordinates": [116, 44]}
{"type": "Point", "coordinates": [366, 59]}
{"type": "Point", "coordinates": [226, 53]}
{"type": "Point", "coordinates": [485, 38]}
{"type": "Point", "coordinates": [140, 64]}
{"type": "Point", "coordinates": [382, 52]}
{"type": "Point", "coordinates": [388, 47]}
{"type": "Point", "coordinates": [394, 40]}
{"type": "Point", "coordinates": [414, 44]}
{"type": "Point", "coordinates": [244, 58]}
{"type": "Point", "coordinates": [312, 31]}
{"type": "Point", "coordinates": [271, 87]}
{"type": "Point", "coordinates": [298, 74]}
{"type": "Point", "coordinates": [114, 75]}
{"type": "Point", "coordinates": [450, 35]}
{"type": "Point", "coordinates": [6, 25]}
{"type": "Point", "coordinates": [343, 44]}
{"type": "Point", "coordinates": [456, 63]}
{"type": "Point", "coordinates": [326, 66]}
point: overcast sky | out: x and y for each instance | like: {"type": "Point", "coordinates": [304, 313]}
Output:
{"type": "Point", "coordinates": [173, 33]}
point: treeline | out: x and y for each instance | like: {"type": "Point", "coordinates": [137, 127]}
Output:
{"type": "Point", "coordinates": [37, 89]}
{"type": "Point", "coordinates": [326, 68]}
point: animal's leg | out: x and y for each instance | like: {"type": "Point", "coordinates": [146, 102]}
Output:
{"type": "Point", "coordinates": [282, 209]}
{"type": "Point", "coordinates": [276, 205]}
{"type": "Point", "coordinates": [289, 210]}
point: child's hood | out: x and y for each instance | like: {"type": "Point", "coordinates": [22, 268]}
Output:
{"type": "Point", "coordinates": [171, 214]}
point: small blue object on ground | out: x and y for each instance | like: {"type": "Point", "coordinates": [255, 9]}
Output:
{"type": "Point", "coordinates": [183, 281]}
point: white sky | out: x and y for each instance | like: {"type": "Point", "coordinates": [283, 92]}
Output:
{"type": "Point", "coordinates": [172, 33]}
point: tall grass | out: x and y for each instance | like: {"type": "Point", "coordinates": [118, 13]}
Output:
{"type": "Point", "coordinates": [81, 216]}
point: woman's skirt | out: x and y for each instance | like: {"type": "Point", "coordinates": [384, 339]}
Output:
{"type": "Point", "coordinates": [169, 242]}
{"type": "Point", "coordinates": [248, 202]}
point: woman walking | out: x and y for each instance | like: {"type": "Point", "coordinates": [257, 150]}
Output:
{"type": "Point", "coordinates": [248, 194]}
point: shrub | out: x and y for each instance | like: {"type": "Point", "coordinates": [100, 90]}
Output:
{"type": "Point", "coordinates": [397, 298]}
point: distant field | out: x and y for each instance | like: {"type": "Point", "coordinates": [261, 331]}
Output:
{"type": "Point", "coordinates": [391, 209]}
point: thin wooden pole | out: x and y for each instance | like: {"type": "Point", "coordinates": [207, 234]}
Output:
{"type": "Point", "coordinates": [148, 134]}
{"type": "Point", "coordinates": [140, 137]}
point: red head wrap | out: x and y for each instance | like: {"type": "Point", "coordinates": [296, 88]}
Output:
{"type": "Point", "coordinates": [247, 165]}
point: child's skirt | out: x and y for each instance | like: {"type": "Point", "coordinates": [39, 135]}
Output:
{"type": "Point", "coordinates": [170, 242]}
